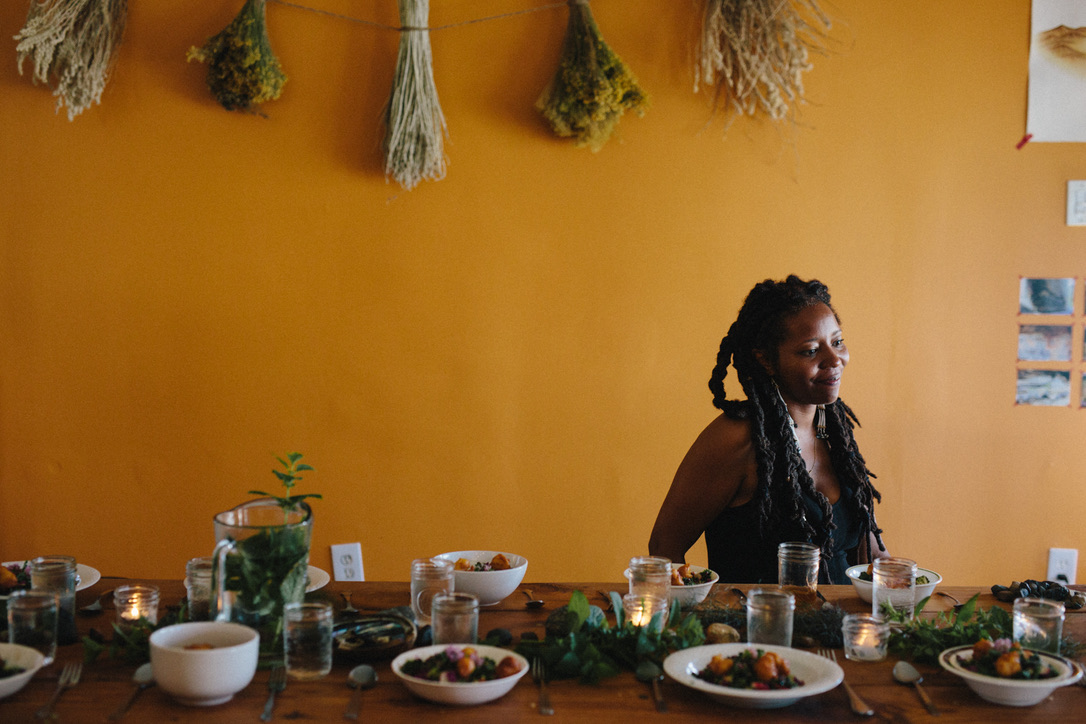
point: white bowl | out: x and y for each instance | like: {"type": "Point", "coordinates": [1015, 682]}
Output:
{"type": "Point", "coordinates": [1010, 692]}
{"type": "Point", "coordinates": [489, 587]}
{"type": "Point", "coordinates": [30, 660]}
{"type": "Point", "coordinates": [863, 588]}
{"type": "Point", "coordinates": [204, 677]}
{"type": "Point", "coordinates": [817, 673]}
{"type": "Point", "coordinates": [464, 693]}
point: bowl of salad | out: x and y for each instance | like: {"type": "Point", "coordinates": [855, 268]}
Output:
{"type": "Point", "coordinates": [460, 674]}
{"type": "Point", "coordinates": [18, 664]}
{"type": "Point", "coordinates": [926, 581]}
{"type": "Point", "coordinates": [489, 575]}
{"type": "Point", "coordinates": [1003, 673]}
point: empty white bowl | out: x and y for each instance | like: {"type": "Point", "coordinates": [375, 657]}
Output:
{"type": "Point", "coordinates": [24, 657]}
{"type": "Point", "coordinates": [863, 588]}
{"type": "Point", "coordinates": [489, 587]}
{"type": "Point", "coordinates": [460, 693]}
{"type": "Point", "coordinates": [1010, 692]}
{"type": "Point", "coordinates": [204, 676]}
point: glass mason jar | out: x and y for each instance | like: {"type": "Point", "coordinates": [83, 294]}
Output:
{"type": "Point", "coordinates": [797, 570]}
{"type": "Point", "coordinates": [198, 587]}
{"type": "Point", "coordinates": [650, 576]}
{"type": "Point", "coordinates": [261, 563]}
{"type": "Point", "coordinates": [893, 584]}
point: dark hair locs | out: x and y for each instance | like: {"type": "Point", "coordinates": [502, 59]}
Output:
{"type": "Point", "coordinates": [783, 479]}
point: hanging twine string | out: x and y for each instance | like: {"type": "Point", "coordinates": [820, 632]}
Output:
{"type": "Point", "coordinates": [409, 28]}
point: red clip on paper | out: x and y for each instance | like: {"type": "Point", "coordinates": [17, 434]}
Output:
{"type": "Point", "coordinates": [1024, 141]}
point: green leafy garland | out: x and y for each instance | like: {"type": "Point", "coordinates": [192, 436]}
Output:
{"type": "Point", "coordinates": [592, 87]}
{"type": "Point", "coordinates": [580, 643]}
{"type": "Point", "coordinates": [242, 70]}
{"type": "Point", "coordinates": [924, 639]}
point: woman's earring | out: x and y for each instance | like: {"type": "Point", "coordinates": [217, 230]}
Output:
{"type": "Point", "coordinates": [820, 423]}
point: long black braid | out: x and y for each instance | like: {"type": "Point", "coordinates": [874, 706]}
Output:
{"type": "Point", "coordinates": [783, 479]}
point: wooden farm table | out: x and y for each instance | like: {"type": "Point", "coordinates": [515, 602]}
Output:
{"type": "Point", "coordinates": [106, 683]}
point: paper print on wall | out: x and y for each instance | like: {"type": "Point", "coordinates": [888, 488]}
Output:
{"type": "Point", "coordinates": [1046, 296]}
{"type": "Point", "coordinates": [1057, 71]}
{"type": "Point", "coordinates": [1044, 342]}
{"type": "Point", "coordinates": [1050, 388]}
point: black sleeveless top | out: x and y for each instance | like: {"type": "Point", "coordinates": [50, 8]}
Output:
{"type": "Point", "coordinates": [739, 554]}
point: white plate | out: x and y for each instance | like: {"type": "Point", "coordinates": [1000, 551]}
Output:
{"type": "Point", "coordinates": [87, 576]}
{"type": "Point", "coordinates": [1011, 692]}
{"type": "Point", "coordinates": [318, 578]}
{"type": "Point", "coordinates": [24, 657]}
{"type": "Point", "coordinates": [817, 673]}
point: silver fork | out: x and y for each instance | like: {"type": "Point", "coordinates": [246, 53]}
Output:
{"type": "Point", "coordinates": [539, 674]}
{"type": "Point", "coordinates": [276, 683]}
{"type": "Point", "coordinates": [69, 677]}
{"type": "Point", "coordinates": [859, 706]}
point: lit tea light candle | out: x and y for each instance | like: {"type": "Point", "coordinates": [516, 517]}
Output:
{"type": "Point", "coordinates": [865, 637]}
{"type": "Point", "coordinates": [639, 610]}
{"type": "Point", "coordinates": [136, 602]}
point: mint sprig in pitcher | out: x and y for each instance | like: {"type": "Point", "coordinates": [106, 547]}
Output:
{"type": "Point", "coordinates": [261, 560]}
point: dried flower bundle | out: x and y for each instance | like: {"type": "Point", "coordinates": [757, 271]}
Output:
{"type": "Point", "coordinates": [74, 42]}
{"type": "Point", "coordinates": [756, 51]}
{"type": "Point", "coordinates": [414, 124]}
{"type": "Point", "coordinates": [592, 87]}
{"type": "Point", "coordinates": [242, 70]}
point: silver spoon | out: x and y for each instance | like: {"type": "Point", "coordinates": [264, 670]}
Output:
{"type": "Point", "coordinates": [906, 673]}
{"type": "Point", "coordinates": [532, 602]}
{"type": "Point", "coordinates": [95, 608]}
{"type": "Point", "coordinates": [361, 677]}
{"type": "Point", "coordinates": [143, 678]}
{"type": "Point", "coordinates": [348, 607]}
{"type": "Point", "coordinates": [649, 672]}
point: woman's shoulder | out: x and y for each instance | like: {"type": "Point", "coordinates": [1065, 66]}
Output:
{"type": "Point", "coordinates": [726, 437]}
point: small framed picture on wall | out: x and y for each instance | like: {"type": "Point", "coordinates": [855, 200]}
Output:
{"type": "Point", "coordinates": [1044, 342]}
{"type": "Point", "coordinates": [1046, 295]}
{"type": "Point", "coordinates": [1050, 388]}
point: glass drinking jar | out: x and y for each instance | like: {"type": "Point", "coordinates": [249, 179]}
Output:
{"type": "Point", "coordinates": [770, 615]}
{"type": "Point", "coordinates": [797, 570]}
{"type": "Point", "coordinates": [893, 582]}
{"type": "Point", "coordinates": [57, 575]}
{"type": "Point", "coordinates": [455, 618]}
{"type": "Point", "coordinates": [650, 576]}
{"type": "Point", "coordinates": [198, 587]}
{"type": "Point", "coordinates": [429, 577]}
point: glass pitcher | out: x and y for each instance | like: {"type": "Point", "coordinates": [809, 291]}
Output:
{"type": "Point", "coordinates": [260, 564]}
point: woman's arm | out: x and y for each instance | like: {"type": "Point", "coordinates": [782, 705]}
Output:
{"type": "Point", "coordinates": [716, 472]}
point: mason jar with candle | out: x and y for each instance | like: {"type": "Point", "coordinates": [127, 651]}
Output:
{"type": "Point", "coordinates": [642, 610]}
{"type": "Point", "coordinates": [135, 602]}
{"type": "Point", "coordinates": [865, 637]}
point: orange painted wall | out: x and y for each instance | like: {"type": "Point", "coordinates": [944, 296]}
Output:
{"type": "Point", "coordinates": [516, 357]}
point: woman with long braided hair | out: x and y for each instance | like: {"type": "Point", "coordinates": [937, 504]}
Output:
{"type": "Point", "coordinates": [781, 465]}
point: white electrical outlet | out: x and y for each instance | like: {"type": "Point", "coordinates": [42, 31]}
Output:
{"type": "Point", "coordinates": [347, 562]}
{"type": "Point", "coordinates": [1062, 565]}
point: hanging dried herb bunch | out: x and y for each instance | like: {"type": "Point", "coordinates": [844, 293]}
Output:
{"type": "Point", "coordinates": [755, 52]}
{"type": "Point", "coordinates": [242, 70]}
{"type": "Point", "coordinates": [592, 87]}
{"type": "Point", "coordinates": [415, 127]}
{"type": "Point", "coordinates": [74, 43]}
